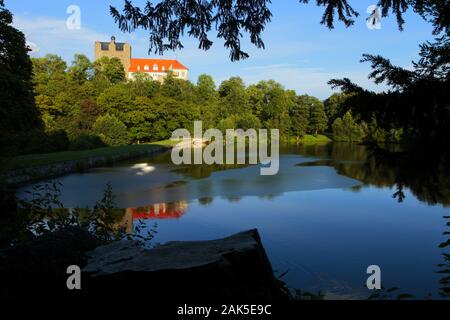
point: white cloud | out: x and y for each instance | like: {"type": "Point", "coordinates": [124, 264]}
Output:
{"type": "Point", "coordinates": [33, 47]}
{"type": "Point", "coordinates": [52, 36]}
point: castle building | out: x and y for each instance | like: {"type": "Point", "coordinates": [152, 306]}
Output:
{"type": "Point", "coordinates": [156, 69]}
{"type": "Point", "coordinates": [114, 49]}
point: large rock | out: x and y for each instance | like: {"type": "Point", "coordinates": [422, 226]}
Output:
{"type": "Point", "coordinates": [232, 268]}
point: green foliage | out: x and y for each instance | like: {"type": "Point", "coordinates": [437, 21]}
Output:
{"type": "Point", "coordinates": [299, 115]}
{"type": "Point", "coordinates": [378, 134]}
{"type": "Point", "coordinates": [45, 213]}
{"type": "Point", "coordinates": [336, 106]}
{"type": "Point", "coordinates": [318, 121]}
{"type": "Point", "coordinates": [81, 69]}
{"type": "Point", "coordinates": [207, 98]}
{"type": "Point", "coordinates": [111, 130]}
{"type": "Point", "coordinates": [86, 142]}
{"type": "Point", "coordinates": [232, 19]}
{"type": "Point", "coordinates": [88, 113]}
{"type": "Point", "coordinates": [346, 129]}
{"type": "Point", "coordinates": [109, 69]}
{"type": "Point", "coordinates": [233, 98]}
{"type": "Point", "coordinates": [72, 99]}
{"type": "Point", "coordinates": [18, 112]}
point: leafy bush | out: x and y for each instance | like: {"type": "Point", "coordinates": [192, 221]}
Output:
{"type": "Point", "coordinates": [111, 130]}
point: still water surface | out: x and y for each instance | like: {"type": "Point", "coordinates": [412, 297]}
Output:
{"type": "Point", "coordinates": [331, 211]}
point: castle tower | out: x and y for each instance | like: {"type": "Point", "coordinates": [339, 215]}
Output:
{"type": "Point", "coordinates": [114, 49]}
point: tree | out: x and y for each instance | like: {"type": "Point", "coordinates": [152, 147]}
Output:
{"type": "Point", "coordinates": [81, 69]}
{"type": "Point", "coordinates": [140, 119]}
{"type": "Point", "coordinates": [206, 90]}
{"type": "Point", "coordinates": [233, 98]}
{"type": "Point", "coordinates": [116, 100]}
{"type": "Point", "coordinates": [168, 20]}
{"type": "Point", "coordinates": [336, 106]}
{"type": "Point", "coordinates": [177, 88]}
{"type": "Point", "coordinates": [111, 130]}
{"type": "Point", "coordinates": [109, 69]}
{"type": "Point", "coordinates": [318, 119]}
{"type": "Point", "coordinates": [299, 115]}
{"type": "Point", "coordinates": [346, 129]}
{"type": "Point", "coordinates": [89, 111]}
{"type": "Point", "coordinates": [143, 86]}
{"type": "Point", "coordinates": [405, 106]}
{"type": "Point", "coordinates": [207, 98]}
{"type": "Point", "coordinates": [18, 112]}
{"type": "Point", "coordinates": [51, 83]}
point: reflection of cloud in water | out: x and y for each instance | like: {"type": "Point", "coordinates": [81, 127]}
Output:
{"type": "Point", "coordinates": [143, 168]}
{"type": "Point", "coordinates": [237, 183]}
{"type": "Point", "coordinates": [140, 184]}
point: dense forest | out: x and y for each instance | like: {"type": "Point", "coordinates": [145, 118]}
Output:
{"type": "Point", "coordinates": [88, 104]}
{"type": "Point", "coordinates": [94, 100]}
{"type": "Point", "coordinates": [49, 105]}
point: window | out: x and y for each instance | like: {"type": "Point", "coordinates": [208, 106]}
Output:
{"type": "Point", "coordinates": [120, 46]}
{"type": "Point", "coordinates": [155, 67]}
{"type": "Point", "coordinates": [139, 67]}
{"type": "Point", "coordinates": [146, 67]}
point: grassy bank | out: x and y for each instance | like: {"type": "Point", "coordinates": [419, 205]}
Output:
{"type": "Point", "coordinates": [32, 160]}
{"type": "Point", "coordinates": [310, 139]}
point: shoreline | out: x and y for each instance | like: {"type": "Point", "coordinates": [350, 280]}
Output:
{"type": "Point", "coordinates": [22, 175]}
{"type": "Point", "coordinates": [25, 169]}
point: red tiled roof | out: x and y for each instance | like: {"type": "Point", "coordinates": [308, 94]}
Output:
{"type": "Point", "coordinates": [162, 65]}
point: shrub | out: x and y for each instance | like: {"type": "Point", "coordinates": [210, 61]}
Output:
{"type": "Point", "coordinates": [111, 130]}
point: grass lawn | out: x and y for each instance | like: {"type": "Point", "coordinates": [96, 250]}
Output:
{"type": "Point", "coordinates": [307, 139]}
{"type": "Point", "coordinates": [311, 139]}
{"type": "Point", "coordinates": [30, 160]}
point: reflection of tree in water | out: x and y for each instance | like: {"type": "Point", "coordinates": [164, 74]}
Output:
{"type": "Point", "coordinates": [201, 171]}
{"type": "Point", "coordinates": [444, 267]}
{"type": "Point", "coordinates": [205, 201]}
{"type": "Point", "coordinates": [196, 171]}
{"type": "Point", "coordinates": [24, 220]}
{"type": "Point", "coordinates": [423, 171]}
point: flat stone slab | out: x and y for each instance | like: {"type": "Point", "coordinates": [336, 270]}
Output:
{"type": "Point", "coordinates": [129, 256]}
{"type": "Point", "coordinates": [235, 267]}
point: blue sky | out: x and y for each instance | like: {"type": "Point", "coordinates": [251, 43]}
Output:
{"type": "Point", "coordinates": [300, 53]}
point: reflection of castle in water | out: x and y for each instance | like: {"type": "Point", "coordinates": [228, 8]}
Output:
{"type": "Point", "coordinates": [169, 210]}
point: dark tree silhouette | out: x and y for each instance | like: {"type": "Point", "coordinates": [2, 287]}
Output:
{"type": "Point", "coordinates": [419, 100]}
{"type": "Point", "coordinates": [18, 113]}
{"type": "Point", "coordinates": [168, 20]}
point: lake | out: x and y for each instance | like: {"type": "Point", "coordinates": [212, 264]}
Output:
{"type": "Point", "coordinates": [330, 212]}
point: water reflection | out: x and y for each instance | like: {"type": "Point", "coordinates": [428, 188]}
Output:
{"type": "Point", "coordinates": [426, 172]}
{"type": "Point", "coordinates": [169, 210]}
{"type": "Point", "coordinates": [333, 209]}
